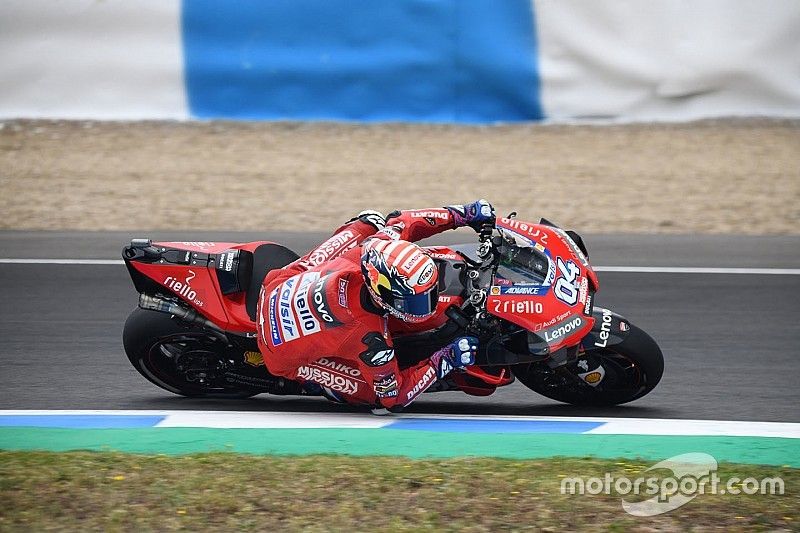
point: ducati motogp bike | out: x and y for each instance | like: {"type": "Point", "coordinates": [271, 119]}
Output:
{"type": "Point", "coordinates": [525, 290]}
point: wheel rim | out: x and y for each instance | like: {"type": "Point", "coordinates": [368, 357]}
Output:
{"type": "Point", "coordinates": [186, 363]}
{"type": "Point", "coordinates": [624, 380]}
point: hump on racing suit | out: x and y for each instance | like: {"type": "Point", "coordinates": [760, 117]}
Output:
{"type": "Point", "coordinates": [317, 322]}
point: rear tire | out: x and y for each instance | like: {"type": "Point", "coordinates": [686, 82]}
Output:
{"type": "Point", "coordinates": [633, 368]}
{"type": "Point", "coordinates": [152, 342]}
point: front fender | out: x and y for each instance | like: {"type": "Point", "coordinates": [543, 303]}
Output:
{"type": "Point", "coordinates": [609, 329]}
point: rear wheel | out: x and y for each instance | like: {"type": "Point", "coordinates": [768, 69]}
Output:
{"type": "Point", "coordinates": [631, 370]}
{"type": "Point", "coordinates": [178, 358]}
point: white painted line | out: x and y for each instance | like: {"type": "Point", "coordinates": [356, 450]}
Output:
{"type": "Point", "coordinates": [632, 269]}
{"type": "Point", "coordinates": [699, 270]}
{"type": "Point", "coordinates": [62, 261]}
{"type": "Point", "coordinates": [612, 426]}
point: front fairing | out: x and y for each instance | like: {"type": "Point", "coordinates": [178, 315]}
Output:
{"type": "Point", "coordinates": [544, 284]}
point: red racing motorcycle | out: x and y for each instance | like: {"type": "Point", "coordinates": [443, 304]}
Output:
{"type": "Point", "coordinates": [526, 291]}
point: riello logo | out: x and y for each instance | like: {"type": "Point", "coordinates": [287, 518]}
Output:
{"type": "Point", "coordinates": [182, 288]}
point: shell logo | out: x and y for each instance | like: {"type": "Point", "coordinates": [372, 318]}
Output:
{"type": "Point", "coordinates": [592, 377]}
{"type": "Point", "coordinates": [253, 358]}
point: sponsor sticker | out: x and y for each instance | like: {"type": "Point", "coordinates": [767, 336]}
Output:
{"type": "Point", "coordinates": [261, 310]}
{"type": "Point", "coordinates": [426, 275]}
{"type": "Point", "coordinates": [382, 357]}
{"type": "Point", "coordinates": [527, 290]}
{"type": "Point", "coordinates": [409, 265]}
{"type": "Point", "coordinates": [394, 231]}
{"type": "Point", "coordinates": [329, 249]}
{"type": "Point", "coordinates": [308, 322]}
{"type": "Point", "coordinates": [343, 292]}
{"type": "Point", "coordinates": [274, 328]}
{"type": "Point", "coordinates": [440, 255]}
{"type": "Point", "coordinates": [184, 288]}
{"type": "Point", "coordinates": [338, 367]}
{"type": "Point", "coordinates": [385, 387]}
{"type": "Point", "coordinates": [529, 230]}
{"type": "Point", "coordinates": [594, 377]}
{"type": "Point", "coordinates": [556, 333]}
{"type": "Point", "coordinates": [199, 244]}
{"type": "Point", "coordinates": [289, 329]}
{"type": "Point", "coordinates": [516, 307]}
{"type": "Point", "coordinates": [587, 307]}
{"type": "Point", "coordinates": [583, 290]}
{"type": "Point", "coordinates": [424, 382]}
{"type": "Point", "coordinates": [226, 260]}
{"type": "Point", "coordinates": [441, 215]}
{"type": "Point", "coordinates": [605, 330]}
{"type": "Point", "coordinates": [319, 302]}
{"type": "Point", "coordinates": [253, 359]}
{"type": "Point", "coordinates": [559, 318]}
{"type": "Point", "coordinates": [328, 378]}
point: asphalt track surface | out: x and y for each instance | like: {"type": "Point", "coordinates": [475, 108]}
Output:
{"type": "Point", "coordinates": [730, 340]}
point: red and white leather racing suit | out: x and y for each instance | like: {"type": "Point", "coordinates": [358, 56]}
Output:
{"type": "Point", "coordinates": [317, 323]}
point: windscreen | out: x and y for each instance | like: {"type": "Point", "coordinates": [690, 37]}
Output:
{"type": "Point", "coordinates": [520, 262]}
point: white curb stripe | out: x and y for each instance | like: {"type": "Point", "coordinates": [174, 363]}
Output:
{"type": "Point", "coordinates": [631, 269]}
{"type": "Point", "coordinates": [684, 428]}
{"type": "Point", "coordinates": [222, 419]}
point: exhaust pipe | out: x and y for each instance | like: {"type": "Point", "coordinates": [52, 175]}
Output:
{"type": "Point", "coordinates": [162, 305]}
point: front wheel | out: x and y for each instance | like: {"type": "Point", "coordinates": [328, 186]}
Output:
{"type": "Point", "coordinates": [630, 370]}
{"type": "Point", "coordinates": [178, 358]}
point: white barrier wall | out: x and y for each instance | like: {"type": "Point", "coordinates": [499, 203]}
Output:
{"type": "Point", "coordinates": [668, 59]}
{"type": "Point", "coordinates": [515, 60]}
{"type": "Point", "coordinates": [100, 59]}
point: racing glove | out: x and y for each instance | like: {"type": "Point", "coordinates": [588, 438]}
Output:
{"type": "Point", "coordinates": [474, 215]}
{"type": "Point", "coordinates": [374, 218]}
{"type": "Point", "coordinates": [458, 354]}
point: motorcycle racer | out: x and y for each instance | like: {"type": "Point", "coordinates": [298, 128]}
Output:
{"type": "Point", "coordinates": [323, 319]}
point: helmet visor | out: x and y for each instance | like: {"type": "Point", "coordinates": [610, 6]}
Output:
{"type": "Point", "coordinates": [418, 305]}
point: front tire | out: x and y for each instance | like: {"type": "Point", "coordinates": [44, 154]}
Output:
{"type": "Point", "coordinates": [176, 357]}
{"type": "Point", "coordinates": [633, 368]}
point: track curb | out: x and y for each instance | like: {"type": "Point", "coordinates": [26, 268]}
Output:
{"type": "Point", "coordinates": [413, 436]}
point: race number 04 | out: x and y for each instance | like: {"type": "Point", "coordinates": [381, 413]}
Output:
{"type": "Point", "coordinates": [566, 285]}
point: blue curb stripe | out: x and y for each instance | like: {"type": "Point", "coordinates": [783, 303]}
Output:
{"type": "Point", "coordinates": [81, 421]}
{"type": "Point", "coordinates": [493, 426]}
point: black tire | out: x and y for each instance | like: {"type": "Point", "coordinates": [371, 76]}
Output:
{"type": "Point", "coordinates": [146, 332]}
{"type": "Point", "coordinates": [633, 368]}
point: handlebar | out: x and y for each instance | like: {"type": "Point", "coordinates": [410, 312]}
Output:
{"type": "Point", "coordinates": [486, 252]}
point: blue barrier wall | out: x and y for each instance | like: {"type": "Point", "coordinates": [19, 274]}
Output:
{"type": "Point", "coordinates": [468, 61]}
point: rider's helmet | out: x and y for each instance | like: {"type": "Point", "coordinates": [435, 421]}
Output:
{"type": "Point", "coordinates": [401, 278]}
